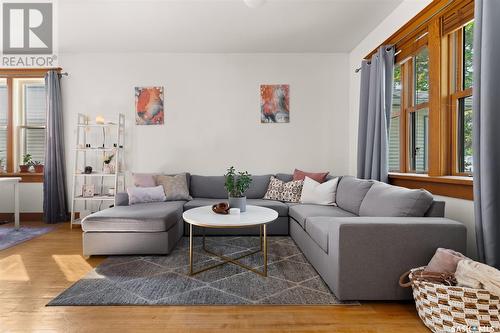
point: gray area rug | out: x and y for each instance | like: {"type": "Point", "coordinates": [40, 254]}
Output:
{"type": "Point", "coordinates": [9, 236]}
{"type": "Point", "coordinates": [164, 280]}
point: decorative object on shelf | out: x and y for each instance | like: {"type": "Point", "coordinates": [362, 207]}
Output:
{"type": "Point", "coordinates": [27, 163]}
{"type": "Point", "coordinates": [275, 103]}
{"type": "Point", "coordinates": [38, 166]}
{"type": "Point", "coordinates": [2, 165]}
{"type": "Point", "coordinates": [221, 208]}
{"type": "Point", "coordinates": [236, 184]}
{"type": "Point", "coordinates": [88, 190]}
{"type": "Point", "coordinates": [88, 170]}
{"type": "Point", "coordinates": [108, 168]}
{"type": "Point", "coordinates": [99, 120]}
{"type": "Point", "coordinates": [149, 106]}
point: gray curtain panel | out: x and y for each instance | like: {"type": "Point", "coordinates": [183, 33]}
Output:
{"type": "Point", "coordinates": [374, 114]}
{"type": "Point", "coordinates": [485, 127]}
{"type": "Point", "coordinates": [55, 207]}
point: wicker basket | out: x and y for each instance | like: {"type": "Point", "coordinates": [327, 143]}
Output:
{"type": "Point", "coordinates": [455, 309]}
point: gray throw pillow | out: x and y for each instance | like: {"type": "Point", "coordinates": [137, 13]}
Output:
{"type": "Point", "coordinates": [175, 187]}
{"type": "Point", "coordinates": [388, 200]}
{"type": "Point", "coordinates": [137, 195]}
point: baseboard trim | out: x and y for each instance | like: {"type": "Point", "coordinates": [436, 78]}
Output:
{"type": "Point", "coordinates": [26, 217]}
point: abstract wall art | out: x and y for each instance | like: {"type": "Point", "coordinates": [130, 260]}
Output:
{"type": "Point", "coordinates": [275, 103]}
{"type": "Point", "coordinates": [149, 106]}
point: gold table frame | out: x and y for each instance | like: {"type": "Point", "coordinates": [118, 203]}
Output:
{"type": "Point", "coordinates": [226, 260]}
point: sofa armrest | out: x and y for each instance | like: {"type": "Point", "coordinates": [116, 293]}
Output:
{"type": "Point", "coordinates": [121, 199]}
{"type": "Point", "coordinates": [371, 253]}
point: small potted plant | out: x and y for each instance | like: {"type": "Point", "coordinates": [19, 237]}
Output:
{"type": "Point", "coordinates": [108, 167]}
{"type": "Point", "coordinates": [236, 184]}
{"type": "Point", "coordinates": [27, 163]}
{"type": "Point", "coordinates": [38, 166]}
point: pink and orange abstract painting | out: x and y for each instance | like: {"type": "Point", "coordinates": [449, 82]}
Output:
{"type": "Point", "coordinates": [275, 103]}
{"type": "Point", "coordinates": [149, 106]}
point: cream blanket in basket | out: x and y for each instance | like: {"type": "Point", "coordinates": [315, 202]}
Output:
{"type": "Point", "coordinates": [473, 274]}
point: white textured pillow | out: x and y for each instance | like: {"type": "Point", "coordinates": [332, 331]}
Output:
{"type": "Point", "coordinates": [319, 193]}
{"type": "Point", "coordinates": [145, 194]}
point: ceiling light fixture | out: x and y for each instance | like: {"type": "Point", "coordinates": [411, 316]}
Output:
{"type": "Point", "coordinates": [254, 3]}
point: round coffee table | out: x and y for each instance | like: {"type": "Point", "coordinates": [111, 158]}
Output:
{"type": "Point", "coordinates": [254, 216]}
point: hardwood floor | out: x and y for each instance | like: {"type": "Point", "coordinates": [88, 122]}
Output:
{"type": "Point", "coordinates": [33, 273]}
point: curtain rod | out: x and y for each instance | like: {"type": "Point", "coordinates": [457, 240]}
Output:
{"type": "Point", "coordinates": [28, 75]}
{"type": "Point", "coordinates": [418, 27]}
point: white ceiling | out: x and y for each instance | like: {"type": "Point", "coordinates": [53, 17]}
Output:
{"type": "Point", "coordinates": [217, 26]}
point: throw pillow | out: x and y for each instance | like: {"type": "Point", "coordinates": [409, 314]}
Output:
{"type": "Point", "coordinates": [138, 195]}
{"type": "Point", "coordinates": [144, 179]}
{"type": "Point", "coordinates": [275, 189]}
{"type": "Point", "coordinates": [292, 191]}
{"type": "Point", "coordinates": [175, 187]}
{"type": "Point", "coordinates": [281, 191]}
{"type": "Point", "coordinates": [317, 176]}
{"type": "Point", "coordinates": [317, 193]}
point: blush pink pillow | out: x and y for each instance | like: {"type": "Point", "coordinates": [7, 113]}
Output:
{"type": "Point", "coordinates": [317, 176]}
{"type": "Point", "coordinates": [144, 179]}
{"type": "Point", "coordinates": [444, 261]}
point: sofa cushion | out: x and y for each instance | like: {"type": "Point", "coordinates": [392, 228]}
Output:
{"type": "Point", "coordinates": [314, 192]}
{"type": "Point", "coordinates": [150, 217]}
{"type": "Point", "coordinates": [175, 187]}
{"type": "Point", "coordinates": [388, 200]}
{"type": "Point", "coordinates": [350, 193]}
{"type": "Point", "coordinates": [258, 187]}
{"type": "Point", "coordinates": [317, 176]}
{"type": "Point", "coordinates": [138, 195]}
{"type": "Point", "coordinates": [302, 211]}
{"type": "Point", "coordinates": [213, 187]}
{"type": "Point", "coordinates": [317, 229]}
{"type": "Point", "coordinates": [278, 206]}
{"type": "Point", "coordinates": [207, 187]}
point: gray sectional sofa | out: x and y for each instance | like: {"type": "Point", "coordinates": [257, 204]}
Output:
{"type": "Point", "coordinates": [360, 247]}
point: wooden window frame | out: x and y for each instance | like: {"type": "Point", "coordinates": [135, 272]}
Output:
{"type": "Point", "coordinates": [10, 75]}
{"type": "Point", "coordinates": [434, 24]}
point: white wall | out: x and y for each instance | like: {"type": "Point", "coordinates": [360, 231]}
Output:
{"type": "Point", "coordinates": [212, 116]}
{"type": "Point", "coordinates": [457, 209]}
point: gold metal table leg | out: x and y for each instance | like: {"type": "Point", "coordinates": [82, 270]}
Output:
{"type": "Point", "coordinates": [190, 249]}
{"type": "Point", "coordinates": [265, 250]}
{"type": "Point", "coordinates": [262, 248]}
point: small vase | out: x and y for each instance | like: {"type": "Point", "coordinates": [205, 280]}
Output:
{"type": "Point", "coordinates": [107, 169]}
{"type": "Point", "coordinates": [238, 202]}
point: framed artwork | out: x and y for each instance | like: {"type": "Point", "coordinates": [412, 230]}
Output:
{"type": "Point", "coordinates": [149, 106]}
{"type": "Point", "coordinates": [88, 190]}
{"type": "Point", "coordinates": [275, 103]}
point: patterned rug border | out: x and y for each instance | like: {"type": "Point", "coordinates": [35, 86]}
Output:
{"type": "Point", "coordinates": [162, 280]}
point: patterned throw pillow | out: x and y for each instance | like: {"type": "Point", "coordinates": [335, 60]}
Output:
{"type": "Point", "coordinates": [281, 191]}
{"type": "Point", "coordinates": [175, 187]}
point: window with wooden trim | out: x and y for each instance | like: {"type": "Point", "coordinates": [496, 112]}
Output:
{"type": "Point", "coordinates": [22, 122]}
{"type": "Point", "coordinates": [461, 71]}
{"type": "Point", "coordinates": [409, 126]}
{"type": "Point", "coordinates": [430, 132]}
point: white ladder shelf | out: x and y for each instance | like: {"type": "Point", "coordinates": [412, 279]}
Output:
{"type": "Point", "coordinates": [80, 178]}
